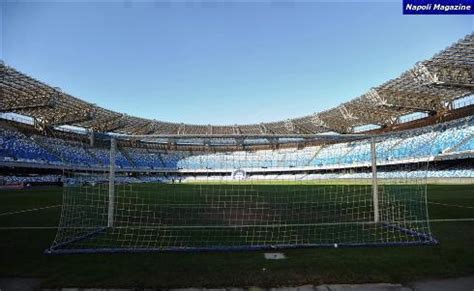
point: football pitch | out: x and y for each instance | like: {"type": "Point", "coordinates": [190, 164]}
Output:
{"type": "Point", "coordinates": [27, 227]}
{"type": "Point", "coordinates": [239, 216]}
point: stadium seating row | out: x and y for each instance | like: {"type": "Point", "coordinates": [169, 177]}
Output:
{"type": "Point", "coordinates": [120, 179]}
{"type": "Point", "coordinates": [453, 137]}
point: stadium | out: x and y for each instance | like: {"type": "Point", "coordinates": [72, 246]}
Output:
{"type": "Point", "coordinates": [378, 188]}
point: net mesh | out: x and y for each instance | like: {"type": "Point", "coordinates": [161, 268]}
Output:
{"type": "Point", "coordinates": [326, 195]}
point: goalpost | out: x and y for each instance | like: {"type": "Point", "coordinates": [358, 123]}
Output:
{"type": "Point", "coordinates": [375, 192]}
{"type": "Point", "coordinates": [111, 207]}
{"type": "Point", "coordinates": [365, 192]}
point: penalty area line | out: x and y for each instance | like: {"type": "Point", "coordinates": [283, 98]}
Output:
{"type": "Point", "coordinates": [28, 210]}
{"type": "Point", "coordinates": [452, 220]}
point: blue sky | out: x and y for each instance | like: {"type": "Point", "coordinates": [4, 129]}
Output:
{"type": "Point", "coordinates": [219, 63]}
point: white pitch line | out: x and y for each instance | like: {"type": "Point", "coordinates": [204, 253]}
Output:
{"type": "Point", "coordinates": [28, 210]}
{"type": "Point", "coordinates": [452, 220]}
{"type": "Point", "coordinates": [27, 227]}
{"type": "Point", "coordinates": [226, 226]}
{"type": "Point", "coordinates": [451, 205]}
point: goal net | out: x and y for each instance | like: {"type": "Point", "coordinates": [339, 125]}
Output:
{"type": "Point", "coordinates": [368, 192]}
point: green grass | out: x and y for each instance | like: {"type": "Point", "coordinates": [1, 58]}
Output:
{"type": "Point", "coordinates": [211, 215]}
{"type": "Point", "coordinates": [21, 253]}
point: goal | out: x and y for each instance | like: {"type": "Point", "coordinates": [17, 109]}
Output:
{"type": "Point", "coordinates": [360, 193]}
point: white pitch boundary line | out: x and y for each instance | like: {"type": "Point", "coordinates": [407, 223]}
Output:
{"type": "Point", "coordinates": [28, 210]}
{"type": "Point", "coordinates": [452, 220]}
{"type": "Point", "coordinates": [451, 205]}
{"type": "Point", "coordinates": [227, 226]}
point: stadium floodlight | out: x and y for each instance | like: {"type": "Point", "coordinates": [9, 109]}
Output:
{"type": "Point", "coordinates": [335, 194]}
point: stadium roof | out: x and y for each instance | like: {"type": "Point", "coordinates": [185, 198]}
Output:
{"type": "Point", "coordinates": [430, 86]}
